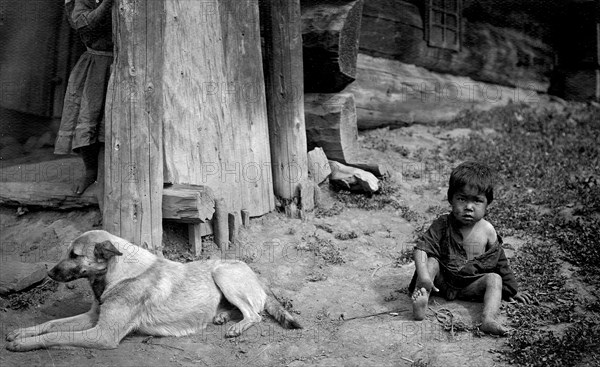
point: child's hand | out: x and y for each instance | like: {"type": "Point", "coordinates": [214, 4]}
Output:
{"type": "Point", "coordinates": [427, 284]}
{"type": "Point", "coordinates": [523, 297]}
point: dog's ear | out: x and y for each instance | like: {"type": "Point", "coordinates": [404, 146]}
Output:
{"type": "Point", "coordinates": [106, 250]}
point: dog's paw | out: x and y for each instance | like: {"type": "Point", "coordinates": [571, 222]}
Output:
{"type": "Point", "coordinates": [18, 346]}
{"type": "Point", "coordinates": [221, 318]}
{"type": "Point", "coordinates": [233, 331]}
{"type": "Point", "coordinates": [15, 334]}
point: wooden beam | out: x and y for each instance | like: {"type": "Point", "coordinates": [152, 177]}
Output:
{"type": "Point", "coordinates": [46, 195]}
{"type": "Point", "coordinates": [331, 124]}
{"type": "Point", "coordinates": [134, 143]}
{"type": "Point", "coordinates": [285, 95]}
{"type": "Point", "coordinates": [330, 33]}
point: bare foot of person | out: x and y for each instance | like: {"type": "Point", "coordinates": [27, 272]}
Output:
{"type": "Point", "coordinates": [88, 179]}
{"type": "Point", "coordinates": [420, 299]}
{"type": "Point", "coordinates": [493, 327]}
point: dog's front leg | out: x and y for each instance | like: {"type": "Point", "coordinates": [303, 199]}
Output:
{"type": "Point", "coordinates": [104, 335]}
{"type": "Point", "coordinates": [74, 323]}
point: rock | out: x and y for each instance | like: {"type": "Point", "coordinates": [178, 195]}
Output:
{"type": "Point", "coordinates": [16, 276]}
{"type": "Point", "coordinates": [318, 166]}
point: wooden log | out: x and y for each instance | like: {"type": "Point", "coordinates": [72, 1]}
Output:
{"type": "Point", "coordinates": [318, 165]}
{"type": "Point", "coordinates": [134, 142]}
{"type": "Point", "coordinates": [391, 93]}
{"type": "Point", "coordinates": [330, 34]}
{"type": "Point", "coordinates": [46, 195]}
{"type": "Point", "coordinates": [221, 225]}
{"type": "Point", "coordinates": [353, 179]}
{"type": "Point", "coordinates": [378, 169]}
{"type": "Point", "coordinates": [285, 95]}
{"type": "Point", "coordinates": [331, 124]}
{"type": "Point", "coordinates": [188, 203]}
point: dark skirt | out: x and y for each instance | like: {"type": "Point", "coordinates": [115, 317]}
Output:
{"type": "Point", "coordinates": [82, 121]}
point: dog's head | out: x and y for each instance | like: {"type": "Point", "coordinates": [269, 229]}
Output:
{"type": "Point", "coordinates": [87, 257]}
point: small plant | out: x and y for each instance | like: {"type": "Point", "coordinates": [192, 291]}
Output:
{"type": "Point", "coordinates": [344, 236]}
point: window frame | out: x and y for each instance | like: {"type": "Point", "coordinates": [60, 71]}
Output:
{"type": "Point", "coordinates": [431, 9]}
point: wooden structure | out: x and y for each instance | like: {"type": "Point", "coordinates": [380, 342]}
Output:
{"type": "Point", "coordinates": [330, 33]}
{"type": "Point", "coordinates": [134, 127]}
{"type": "Point", "coordinates": [285, 96]}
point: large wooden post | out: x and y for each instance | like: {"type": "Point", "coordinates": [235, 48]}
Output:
{"type": "Point", "coordinates": [285, 95]}
{"type": "Point", "coordinates": [134, 151]}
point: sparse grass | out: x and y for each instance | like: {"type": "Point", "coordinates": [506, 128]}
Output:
{"type": "Point", "coordinates": [387, 197]}
{"type": "Point", "coordinates": [546, 158]}
{"type": "Point", "coordinates": [322, 248]}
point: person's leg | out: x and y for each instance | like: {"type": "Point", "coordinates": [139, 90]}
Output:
{"type": "Point", "coordinates": [490, 287]}
{"type": "Point", "coordinates": [89, 155]}
{"type": "Point", "coordinates": [423, 287]}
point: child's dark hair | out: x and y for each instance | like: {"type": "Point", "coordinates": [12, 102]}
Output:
{"type": "Point", "coordinates": [474, 174]}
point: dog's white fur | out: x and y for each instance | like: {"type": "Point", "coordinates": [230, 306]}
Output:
{"type": "Point", "coordinates": [138, 291]}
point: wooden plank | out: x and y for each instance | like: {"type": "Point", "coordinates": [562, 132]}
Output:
{"type": "Point", "coordinates": [134, 149]}
{"type": "Point", "coordinates": [188, 203]}
{"type": "Point", "coordinates": [330, 33]}
{"type": "Point", "coordinates": [285, 95]}
{"type": "Point", "coordinates": [216, 130]}
{"type": "Point", "coordinates": [46, 195]}
{"type": "Point", "coordinates": [331, 124]}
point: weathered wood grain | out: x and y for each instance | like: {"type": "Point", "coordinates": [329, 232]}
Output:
{"type": "Point", "coordinates": [285, 95]}
{"type": "Point", "coordinates": [331, 124]}
{"type": "Point", "coordinates": [330, 34]}
{"type": "Point", "coordinates": [134, 150]}
{"type": "Point", "coordinates": [216, 131]}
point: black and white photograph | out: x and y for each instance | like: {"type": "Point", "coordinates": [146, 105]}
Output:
{"type": "Point", "coordinates": [300, 183]}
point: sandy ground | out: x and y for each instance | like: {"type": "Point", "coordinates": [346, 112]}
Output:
{"type": "Point", "coordinates": [332, 293]}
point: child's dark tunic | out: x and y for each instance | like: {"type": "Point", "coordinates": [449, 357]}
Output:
{"type": "Point", "coordinates": [82, 121]}
{"type": "Point", "coordinates": [442, 242]}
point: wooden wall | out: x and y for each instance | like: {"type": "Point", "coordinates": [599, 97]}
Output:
{"type": "Point", "coordinates": [394, 29]}
{"type": "Point", "coordinates": [215, 131]}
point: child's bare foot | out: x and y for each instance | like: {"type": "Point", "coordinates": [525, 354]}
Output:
{"type": "Point", "coordinates": [420, 298]}
{"type": "Point", "coordinates": [88, 179]}
{"type": "Point", "coordinates": [493, 327]}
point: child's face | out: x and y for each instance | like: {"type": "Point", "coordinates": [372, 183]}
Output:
{"type": "Point", "coordinates": [468, 205]}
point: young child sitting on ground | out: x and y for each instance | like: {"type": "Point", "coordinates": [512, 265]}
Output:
{"type": "Point", "coordinates": [461, 256]}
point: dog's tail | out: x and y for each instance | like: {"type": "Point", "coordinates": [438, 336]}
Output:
{"type": "Point", "coordinates": [275, 309]}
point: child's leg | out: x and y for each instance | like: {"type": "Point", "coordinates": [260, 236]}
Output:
{"type": "Point", "coordinates": [490, 286]}
{"type": "Point", "coordinates": [89, 155]}
{"type": "Point", "coordinates": [424, 284]}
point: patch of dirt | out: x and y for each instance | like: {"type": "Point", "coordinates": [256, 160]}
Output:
{"type": "Point", "coordinates": [343, 271]}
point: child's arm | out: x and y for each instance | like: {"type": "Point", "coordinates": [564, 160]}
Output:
{"type": "Point", "coordinates": [84, 14]}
